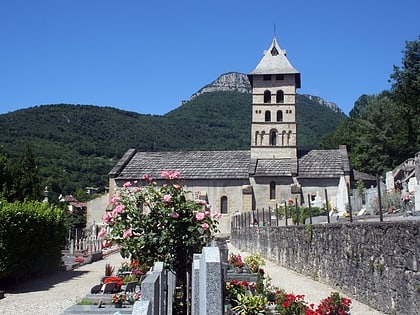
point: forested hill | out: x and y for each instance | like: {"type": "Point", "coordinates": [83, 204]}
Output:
{"type": "Point", "coordinates": [77, 145]}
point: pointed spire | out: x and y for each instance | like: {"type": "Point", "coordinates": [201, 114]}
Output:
{"type": "Point", "coordinates": [274, 61]}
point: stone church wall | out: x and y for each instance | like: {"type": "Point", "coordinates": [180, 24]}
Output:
{"type": "Point", "coordinates": [377, 263]}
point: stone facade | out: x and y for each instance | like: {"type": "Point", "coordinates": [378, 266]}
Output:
{"type": "Point", "coordinates": [378, 263]}
{"type": "Point", "coordinates": [259, 178]}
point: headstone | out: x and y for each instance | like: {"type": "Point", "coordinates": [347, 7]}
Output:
{"type": "Point", "coordinates": [417, 198]}
{"type": "Point", "coordinates": [412, 182]}
{"type": "Point", "coordinates": [211, 293]}
{"type": "Point", "coordinates": [150, 291]}
{"type": "Point", "coordinates": [389, 181]}
{"type": "Point", "coordinates": [317, 202]}
{"type": "Point", "coordinates": [195, 285]}
{"type": "Point", "coordinates": [142, 308]}
{"type": "Point", "coordinates": [342, 196]}
{"type": "Point", "coordinates": [159, 268]}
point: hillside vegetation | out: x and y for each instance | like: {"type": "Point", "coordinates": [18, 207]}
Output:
{"type": "Point", "coordinates": [75, 146]}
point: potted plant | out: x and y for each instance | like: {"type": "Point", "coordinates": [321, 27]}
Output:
{"type": "Point", "coordinates": [118, 299]}
{"type": "Point", "coordinates": [109, 270]}
{"type": "Point", "coordinates": [250, 305]}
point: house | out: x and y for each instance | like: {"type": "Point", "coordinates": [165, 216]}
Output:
{"type": "Point", "coordinates": [267, 174]}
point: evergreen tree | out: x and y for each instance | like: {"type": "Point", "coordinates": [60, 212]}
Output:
{"type": "Point", "coordinates": [406, 93]}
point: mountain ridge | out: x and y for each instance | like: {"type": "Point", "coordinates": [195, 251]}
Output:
{"type": "Point", "coordinates": [236, 81]}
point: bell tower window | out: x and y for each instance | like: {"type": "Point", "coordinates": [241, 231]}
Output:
{"type": "Point", "coordinates": [273, 137]}
{"type": "Point", "coordinates": [280, 96]}
{"type": "Point", "coordinates": [279, 115]}
{"type": "Point", "coordinates": [267, 115]}
{"type": "Point", "coordinates": [267, 96]}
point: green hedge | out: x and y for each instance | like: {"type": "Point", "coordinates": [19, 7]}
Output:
{"type": "Point", "coordinates": [31, 236]}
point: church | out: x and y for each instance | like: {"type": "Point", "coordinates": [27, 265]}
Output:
{"type": "Point", "coordinates": [267, 174]}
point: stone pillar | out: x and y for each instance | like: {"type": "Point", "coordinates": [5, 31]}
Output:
{"type": "Point", "coordinates": [150, 291]}
{"type": "Point", "coordinates": [211, 291]}
{"type": "Point", "coordinates": [195, 285]}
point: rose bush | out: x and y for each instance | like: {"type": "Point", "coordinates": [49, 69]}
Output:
{"type": "Point", "coordinates": [157, 222]}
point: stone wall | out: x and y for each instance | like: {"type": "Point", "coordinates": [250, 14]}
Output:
{"type": "Point", "coordinates": [376, 263]}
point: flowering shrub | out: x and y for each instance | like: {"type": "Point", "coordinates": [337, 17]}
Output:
{"type": "Point", "coordinates": [152, 222]}
{"type": "Point", "coordinates": [290, 304]}
{"type": "Point", "coordinates": [332, 305]}
{"type": "Point", "coordinates": [158, 223]}
{"type": "Point", "coordinates": [258, 298]}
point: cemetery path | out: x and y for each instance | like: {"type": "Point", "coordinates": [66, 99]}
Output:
{"type": "Point", "coordinates": [293, 282]}
{"type": "Point", "coordinates": [52, 294]}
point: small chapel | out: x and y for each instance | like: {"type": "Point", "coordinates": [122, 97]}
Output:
{"type": "Point", "coordinates": [267, 174]}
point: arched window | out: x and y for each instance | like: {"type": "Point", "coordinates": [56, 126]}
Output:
{"type": "Point", "coordinates": [273, 137]}
{"type": "Point", "coordinates": [280, 96]}
{"type": "Point", "coordinates": [262, 137]}
{"type": "Point", "coordinates": [267, 115]}
{"type": "Point", "coordinates": [279, 115]}
{"type": "Point", "coordinates": [272, 190]}
{"type": "Point", "coordinates": [283, 138]}
{"type": "Point", "coordinates": [267, 96]}
{"type": "Point", "coordinates": [256, 138]}
{"type": "Point", "coordinates": [223, 205]}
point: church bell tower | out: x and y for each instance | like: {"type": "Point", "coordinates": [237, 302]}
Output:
{"type": "Point", "coordinates": [274, 82]}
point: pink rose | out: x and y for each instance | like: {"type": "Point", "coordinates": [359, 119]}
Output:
{"type": "Point", "coordinates": [102, 232]}
{"type": "Point", "coordinates": [167, 198]}
{"type": "Point", "coordinates": [199, 216]}
{"type": "Point", "coordinates": [127, 184]}
{"type": "Point", "coordinates": [127, 233]}
{"type": "Point", "coordinates": [115, 199]}
{"type": "Point", "coordinates": [106, 218]}
{"type": "Point", "coordinates": [205, 226]}
{"type": "Point", "coordinates": [118, 209]}
{"type": "Point", "coordinates": [175, 215]}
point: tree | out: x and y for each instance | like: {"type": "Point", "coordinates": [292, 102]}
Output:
{"type": "Point", "coordinates": [22, 178]}
{"type": "Point", "coordinates": [384, 130]}
{"type": "Point", "coordinates": [406, 93]}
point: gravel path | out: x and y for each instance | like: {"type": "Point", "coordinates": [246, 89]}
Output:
{"type": "Point", "coordinates": [51, 295]}
{"type": "Point", "coordinates": [314, 291]}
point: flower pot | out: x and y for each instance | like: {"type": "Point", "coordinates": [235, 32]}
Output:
{"type": "Point", "coordinates": [118, 305]}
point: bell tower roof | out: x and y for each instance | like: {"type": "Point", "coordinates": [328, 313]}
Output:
{"type": "Point", "coordinates": [275, 61]}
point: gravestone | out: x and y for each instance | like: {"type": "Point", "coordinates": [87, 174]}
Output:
{"type": "Point", "coordinates": [210, 293]}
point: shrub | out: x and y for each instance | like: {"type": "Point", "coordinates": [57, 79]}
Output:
{"type": "Point", "coordinates": [30, 231]}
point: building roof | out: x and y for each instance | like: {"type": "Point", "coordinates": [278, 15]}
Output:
{"type": "Point", "coordinates": [324, 164]}
{"type": "Point", "coordinates": [274, 61]}
{"type": "Point", "coordinates": [230, 165]}
{"type": "Point", "coordinates": [276, 167]}
{"type": "Point", "coordinates": [191, 164]}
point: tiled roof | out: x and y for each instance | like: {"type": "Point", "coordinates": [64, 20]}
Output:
{"type": "Point", "coordinates": [191, 164]}
{"type": "Point", "coordinates": [283, 167]}
{"type": "Point", "coordinates": [322, 164]}
{"type": "Point", "coordinates": [230, 165]}
{"type": "Point", "coordinates": [274, 62]}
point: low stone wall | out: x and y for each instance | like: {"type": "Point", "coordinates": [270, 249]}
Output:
{"type": "Point", "coordinates": [377, 263]}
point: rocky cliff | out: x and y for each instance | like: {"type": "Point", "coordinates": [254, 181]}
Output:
{"type": "Point", "coordinates": [234, 81]}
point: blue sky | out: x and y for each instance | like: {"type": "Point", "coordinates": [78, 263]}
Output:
{"type": "Point", "coordinates": [147, 56]}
